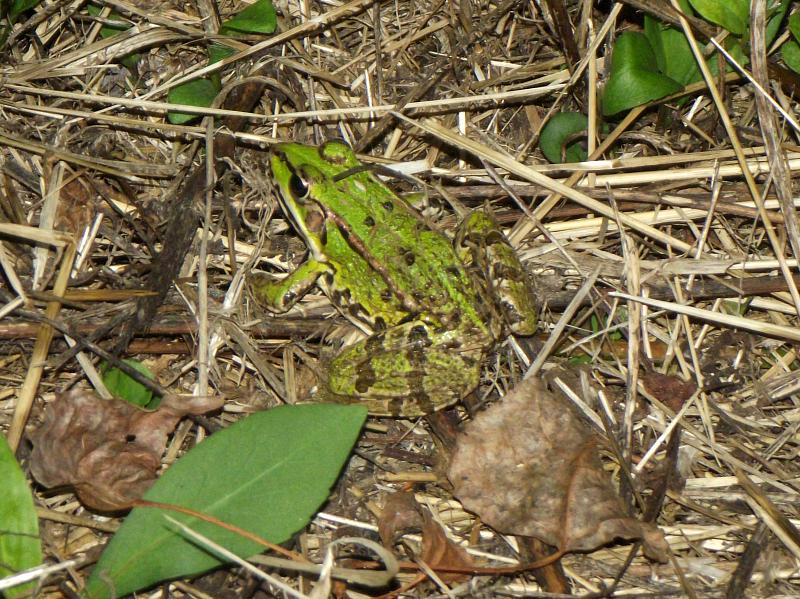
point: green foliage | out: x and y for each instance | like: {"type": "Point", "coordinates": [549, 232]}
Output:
{"type": "Point", "coordinates": [258, 18]}
{"type": "Point", "coordinates": [556, 133]}
{"type": "Point", "coordinates": [124, 387]}
{"type": "Point", "coordinates": [21, 6]}
{"type": "Point", "coordinates": [635, 78]}
{"type": "Point", "coordinates": [199, 92]}
{"type": "Point", "coordinates": [790, 51]}
{"type": "Point", "coordinates": [267, 474]}
{"type": "Point", "coordinates": [110, 29]}
{"type": "Point", "coordinates": [673, 54]}
{"type": "Point", "coordinates": [733, 15]}
{"type": "Point", "coordinates": [20, 547]}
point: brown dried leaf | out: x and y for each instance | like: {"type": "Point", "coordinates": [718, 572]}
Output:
{"type": "Point", "coordinates": [528, 466]}
{"type": "Point", "coordinates": [440, 553]}
{"type": "Point", "coordinates": [668, 389]}
{"type": "Point", "coordinates": [109, 450]}
{"type": "Point", "coordinates": [400, 515]}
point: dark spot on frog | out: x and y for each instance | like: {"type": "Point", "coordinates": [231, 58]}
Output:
{"type": "Point", "coordinates": [379, 324]}
{"type": "Point", "coordinates": [409, 257]}
{"type": "Point", "coordinates": [388, 206]}
{"type": "Point", "coordinates": [130, 438]}
{"type": "Point", "coordinates": [386, 295]}
{"type": "Point", "coordinates": [455, 317]}
{"type": "Point", "coordinates": [328, 276]}
{"type": "Point", "coordinates": [418, 296]}
{"type": "Point", "coordinates": [418, 336]}
{"type": "Point", "coordinates": [356, 309]}
{"type": "Point", "coordinates": [369, 222]}
{"type": "Point", "coordinates": [451, 270]}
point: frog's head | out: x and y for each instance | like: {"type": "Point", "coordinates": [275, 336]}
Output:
{"type": "Point", "coordinates": [301, 183]}
{"type": "Point", "coordinates": [305, 176]}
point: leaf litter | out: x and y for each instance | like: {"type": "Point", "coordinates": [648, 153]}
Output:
{"type": "Point", "coordinates": [684, 415]}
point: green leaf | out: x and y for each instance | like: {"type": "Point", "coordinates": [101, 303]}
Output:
{"type": "Point", "coordinates": [124, 387]}
{"type": "Point", "coordinates": [20, 6]}
{"type": "Point", "coordinates": [775, 17]}
{"type": "Point", "coordinates": [733, 15]}
{"type": "Point", "coordinates": [20, 547]}
{"type": "Point", "coordinates": [672, 51]}
{"type": "Point", "coordinates": [557, 131]}
{"type": "Point", "coordinates": [790, 52]}
{"type": "Point", "coordinates": [794, 25]}
{"type": "Point", "coordinates": [217, 52]}
{"type": "Point", "coordinates": [259, 17]}
{"type": "Point", "coordinates": [200, 92]}
{"type": "Point", "coordinates": [634, 78]}
{"type": "Point", "coordinates": [108, 29]}
{"type": "Point", "coordinates": [268, 474]}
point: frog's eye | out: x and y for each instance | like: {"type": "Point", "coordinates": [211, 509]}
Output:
{"type": "Point", "coordinates": [297, 187]}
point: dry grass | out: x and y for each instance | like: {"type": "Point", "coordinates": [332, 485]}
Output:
{"type": "Point", "coordinates": [669, 213]}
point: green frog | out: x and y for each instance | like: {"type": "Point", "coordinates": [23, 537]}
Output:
{"type": "Point", "coordinates": [433, 308]}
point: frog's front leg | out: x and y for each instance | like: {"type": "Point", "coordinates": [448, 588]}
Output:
{"type": "Point", "coordinates": [407, 370]}
{"type": "Point", "coordinates": [278, 295]}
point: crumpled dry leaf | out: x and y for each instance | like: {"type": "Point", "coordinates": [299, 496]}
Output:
{"type": "Point", "coordinates": [109, 450]}
{"type": "Point", "coordinates": [528, 466]}
{"type": "Point", "coordinates": [440, 553]}
{"type": "Point", "coordinates": [402, 514]}
{"type": "Point", "coordinates": [669, 389]}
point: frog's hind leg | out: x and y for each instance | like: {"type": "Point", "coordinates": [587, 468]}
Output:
{"type": "Point", "coordinates": [487, 253]}
{"type": "Point", "coordinates": [402, 371]}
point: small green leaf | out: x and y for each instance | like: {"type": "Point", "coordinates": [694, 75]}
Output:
{"type": "Point", "coordinates": [217, 52]}
{"type": "Point", "coordinates": [108, 29]}
{"type": "Point", "coordinates": [634, 78]}
{"type": "Point", "coordinates": [259, 17]}
{"type": "Point", "coordinates": [557, 131]}
{"type": "Point", "coordinates": [200, 92]}
{"type": "Point", "coordinates": [775, 18]}
{"type": "Point", "coordinates": [20, 6]}
{"type": "Point", "coordinates": [124, 387]}
{"type": "Point", "coordinates": [733, 15]}
{"type": "Point", "coordinates": [20, 547]}
{"type": "Point", "coordinates": [794, 25]}
{"type": "Point", "coordinates": [268, 474]}
{"type": "Point", "coordinates": [790, 52]}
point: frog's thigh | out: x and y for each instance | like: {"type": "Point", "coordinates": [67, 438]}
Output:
{"type": "Point", "coordinates": [403, 372]}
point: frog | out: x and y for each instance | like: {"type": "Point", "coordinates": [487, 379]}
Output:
{"type": "Point", "coordinates": [432, 308]}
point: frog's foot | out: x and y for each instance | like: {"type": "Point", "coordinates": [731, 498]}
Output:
{"type": "Point", "coordinates": [278, 295]}
{"type": "Point", "coordinates": [403, 371]}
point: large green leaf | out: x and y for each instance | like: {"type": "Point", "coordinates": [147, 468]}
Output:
{"type": "Point", "coordinates": [733, 15]}
{"type": "Point", "coordinates": [268, 474]}
{"type": "Point", "coordinates": [634, 78]}
{"type": "Point", "coordinates": [19, 529]}
{"type": "Point", "coordinates": [556, 133]}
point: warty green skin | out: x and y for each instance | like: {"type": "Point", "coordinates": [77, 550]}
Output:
{"type": "Point", "coordinates": [382, 264]}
